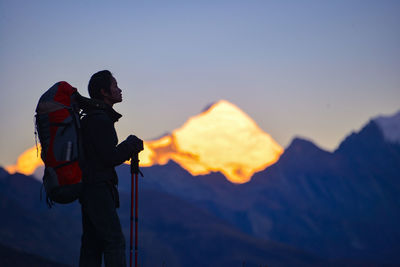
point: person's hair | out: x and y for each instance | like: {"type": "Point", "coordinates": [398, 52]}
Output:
{"type": "Point", "coordinates": [99, 80]}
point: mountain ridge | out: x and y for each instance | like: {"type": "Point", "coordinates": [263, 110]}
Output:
{"type": "Point", "coordinates": [327, 202]}
{"type": "Point", "coordinates": [166, 144]}
{"type": "Point", "coordinates": [172, 230]}
{"type": "Point", "coordinates": [214, 140]}
{"type": "Point", "coordinates": [341, 204]}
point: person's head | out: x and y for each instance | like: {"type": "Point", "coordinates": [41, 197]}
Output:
{"type": "Point", "coordinates": [103, 86]}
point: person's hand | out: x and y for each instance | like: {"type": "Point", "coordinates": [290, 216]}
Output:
{"type": "Point", "coordinates": [135, 143]}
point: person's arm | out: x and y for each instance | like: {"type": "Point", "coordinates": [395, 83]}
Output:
{"type": "Point", "coordinates": [104, 138]}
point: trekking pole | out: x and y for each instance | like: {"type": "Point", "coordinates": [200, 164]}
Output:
{"type": "Point", "coordinates": [134, 183]}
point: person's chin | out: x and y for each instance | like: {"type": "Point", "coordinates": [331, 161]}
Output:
{"type": "Point", "coordinates": [115, 101]}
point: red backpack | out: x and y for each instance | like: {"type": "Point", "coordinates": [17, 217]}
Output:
{"type": "Point", "coordinates": [58, 127]}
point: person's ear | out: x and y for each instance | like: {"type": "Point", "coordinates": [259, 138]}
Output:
{"type": "Point", "coordinates": [103, 92]}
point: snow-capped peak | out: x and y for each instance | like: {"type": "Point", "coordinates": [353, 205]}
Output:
{"type": "Point", "coordinates": [390, 126]}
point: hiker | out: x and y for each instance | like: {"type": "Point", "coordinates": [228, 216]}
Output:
{"type": "Point", "coordinates": [102, 233]}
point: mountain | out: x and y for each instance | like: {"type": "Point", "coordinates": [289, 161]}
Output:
{"type": "Point", "coordinates": [172, 231]}
{"type": "Point", "coordinates": [222, 138]}
{"type": "Point", "coordinates": [29, 225]}
{"type": "Point", "coordinates": [337, 205]}
{"type": "Point", "coordinates": [182, 234]}
{"type": "Point", "coordinates": [17, 258]}
{"type": "Point", "coordinates": [344, 204]}
{"type": "Point", "coordinates": [390, 127]}
{"type": "Point", "coordinates": [341, 204]}
{"type": "Point", "coordinates": [27, 162]}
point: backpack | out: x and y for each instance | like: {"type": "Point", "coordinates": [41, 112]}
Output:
{"type": "Point", "coordinates": [58, 127]}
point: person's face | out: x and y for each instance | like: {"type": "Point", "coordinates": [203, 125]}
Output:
{"type": "Point", "coordinates": [115, 95]}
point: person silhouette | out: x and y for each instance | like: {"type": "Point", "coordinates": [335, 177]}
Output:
{"type": "Point", "coordinates": [102, 234]}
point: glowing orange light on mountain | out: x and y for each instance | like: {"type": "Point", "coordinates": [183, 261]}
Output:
{"type": "Point", "coordinates": [220, 139]}
{"type": "Point", "coordinates": [27, 162]}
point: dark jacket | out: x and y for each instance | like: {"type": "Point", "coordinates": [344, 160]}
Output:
{"type": "Point", "coordinates": [100, 145]}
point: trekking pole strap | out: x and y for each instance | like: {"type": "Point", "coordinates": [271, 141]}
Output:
{"type": "Point", "coordinates": [135, 165]}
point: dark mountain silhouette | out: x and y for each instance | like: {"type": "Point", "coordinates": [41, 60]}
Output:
{"type": "Point", "coordinates": [181, 234]}
{"type": "Point", "coordinates": [27, 223]}
{"type": "Point", "coordinates": [171, 231]}
{"type": "Point", "coordinates": [344, 204]}
{"type": "Point", "coordinates": [10, 257]}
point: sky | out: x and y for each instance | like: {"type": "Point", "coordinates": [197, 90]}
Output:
{"type": "Point", "coordinates": [314, 69]}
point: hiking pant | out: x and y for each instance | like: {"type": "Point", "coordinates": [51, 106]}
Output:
{"type": "Point", "coordinates": [102, 234]}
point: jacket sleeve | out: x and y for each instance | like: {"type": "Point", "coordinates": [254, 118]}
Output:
{"type": "Point", "coordinates": [104, 139]}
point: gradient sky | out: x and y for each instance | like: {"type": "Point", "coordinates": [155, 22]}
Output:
{"type": "Point", "coordinates": [316, 69]}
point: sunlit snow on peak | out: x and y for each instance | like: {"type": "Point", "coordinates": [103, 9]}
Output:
{"type": "Point", "coordinates": [221, 138]}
